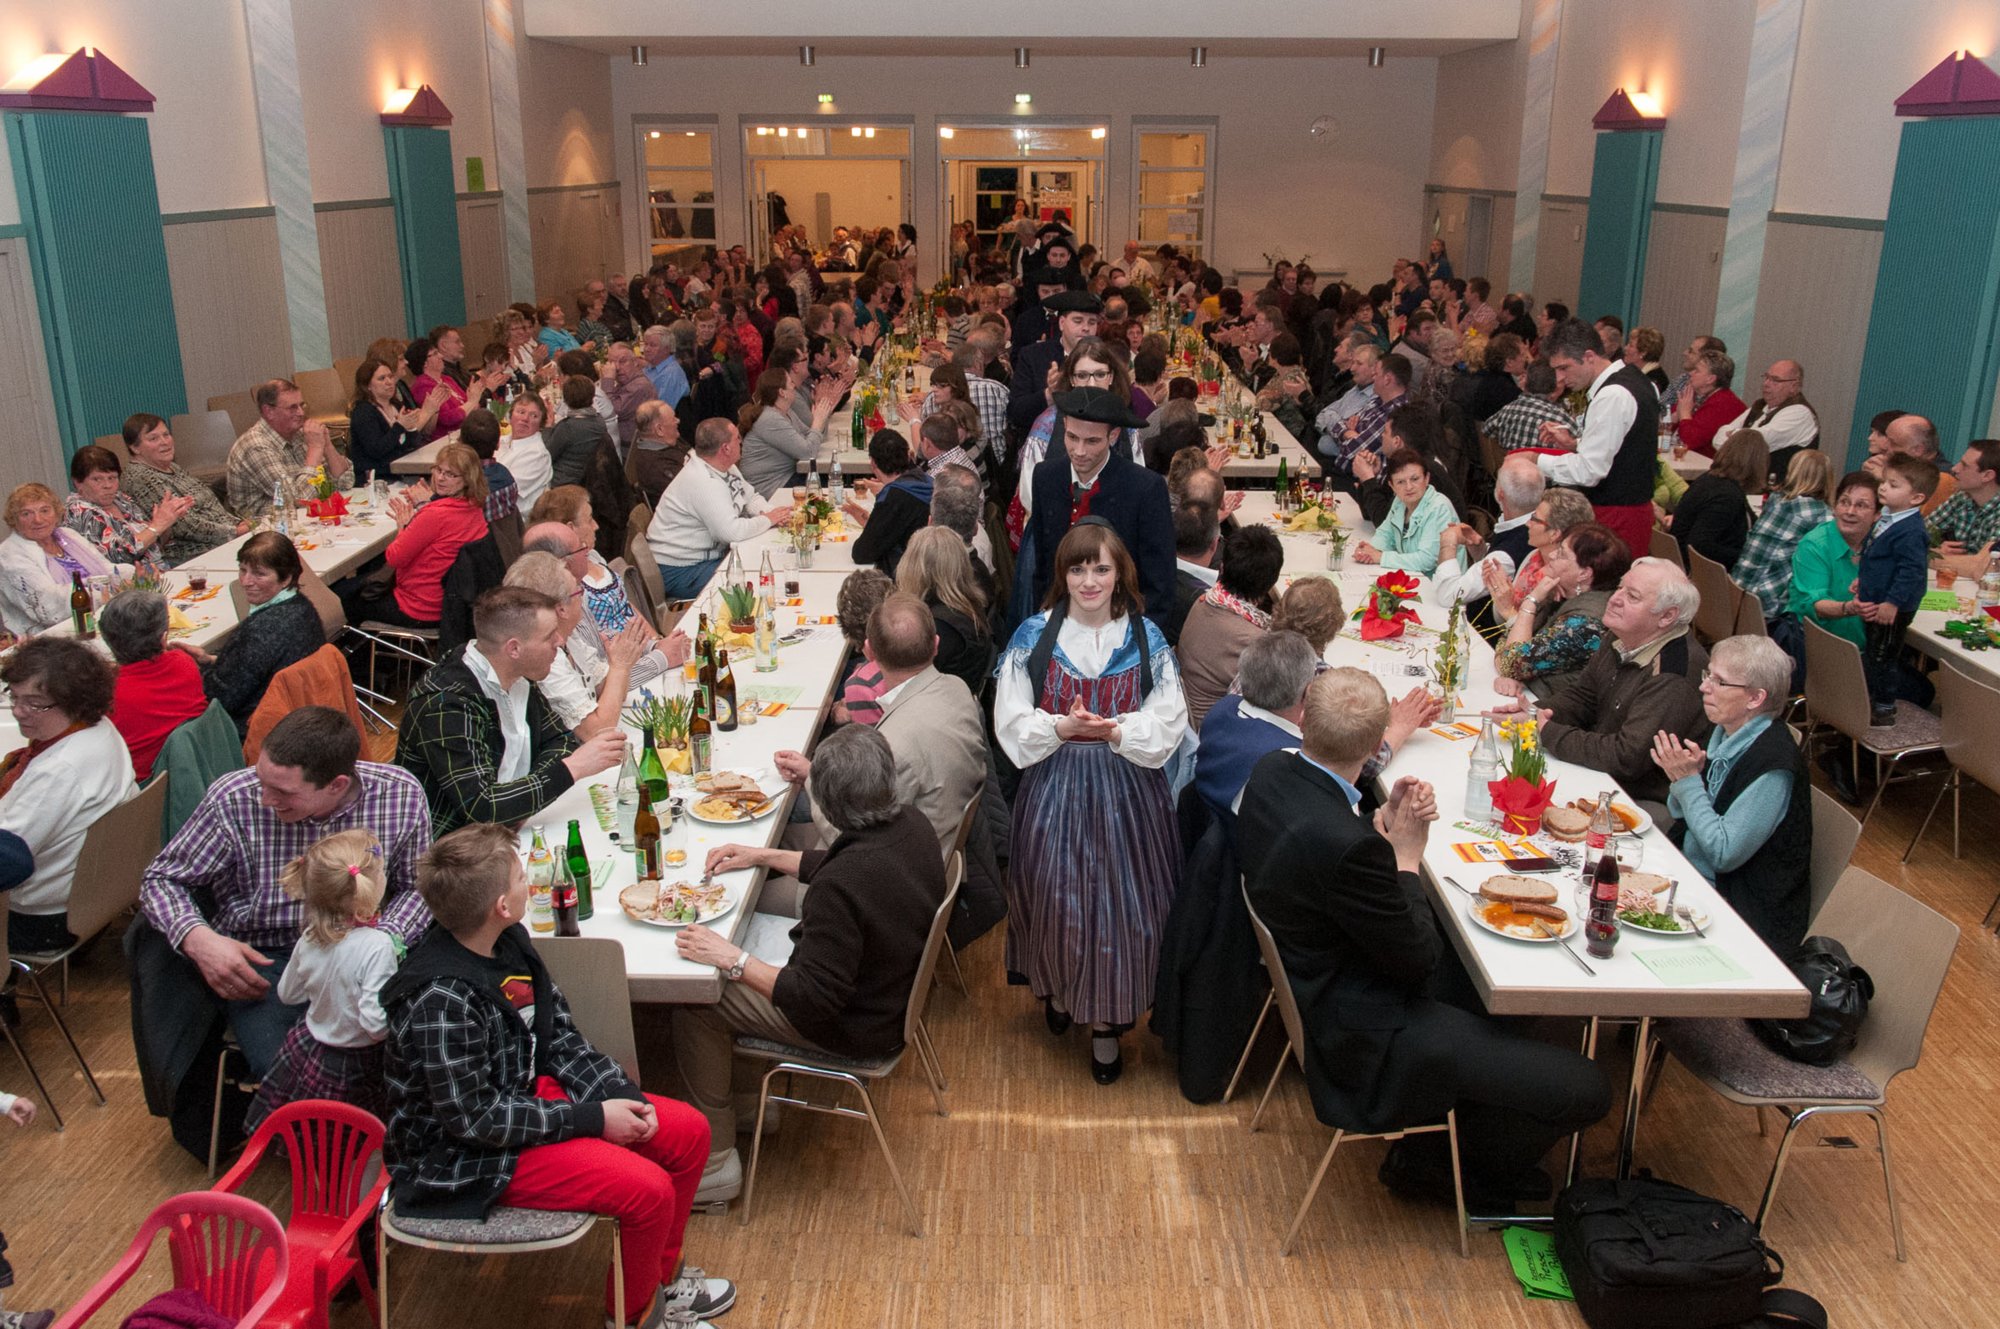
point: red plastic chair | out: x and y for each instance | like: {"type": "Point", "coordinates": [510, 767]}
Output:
{"type": "Point", "coordinates": [329, 1145]}
{"type": "Point", "coordinates": [229, 1249]}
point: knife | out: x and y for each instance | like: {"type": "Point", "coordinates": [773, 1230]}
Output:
{"type": "Point", "coordinates": [1556, 937]}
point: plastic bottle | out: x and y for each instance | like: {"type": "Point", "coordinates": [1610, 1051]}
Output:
{"type": "Point", "coordinates": [541, 885]}
{"type": "Point", "coordinates": [1485, 770]}
{"type": "Point", "coordinates": [281, 508]}
{"type": "Point", "coordinates": [1989, 587]}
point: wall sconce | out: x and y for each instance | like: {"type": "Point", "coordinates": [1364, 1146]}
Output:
{"type": "Point", "coordinates": [826, 99]}
{"type": "Point", "coordinates": [1376, 55]}
{"type": "Point", "coordinates": [1097, 132]}
{"type": "Point", "coordinates": [418, 106]}
{"type": "Point", "coordinates": [638, 54]}
{"type": "Point", "coordinates": [1198, 57]}
{"type": "Point", "coordinates": [1020, 57]}
{"type": "Point", "coordinates": [1628, 111]}
{"type": "Point", "coordinates": [83, 80]}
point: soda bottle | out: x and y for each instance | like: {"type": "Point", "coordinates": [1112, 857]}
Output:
{"type": "Point", "coordinates": [541, 883]}
{"type": "Point", "coordinates": [1600, 931]}
{"type": "Point", "coordinates": [1989, 587]}
{"type": "Point", "coordinates": [562, 902]}
{"type": "Point", "coordinates": [579, 870]}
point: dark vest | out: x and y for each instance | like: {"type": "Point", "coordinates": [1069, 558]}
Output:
{"type": "Point", "coordinates": [1512, 542]}
{"type": "Point", "coordinates": [1772, 889]}
{"type": "Point", "coordinates": [1630, 479]}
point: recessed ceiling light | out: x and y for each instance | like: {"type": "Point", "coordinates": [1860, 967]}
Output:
{"type": "Point", "coordinates": [653, 133]}
{"type": "Point", "coordinates": [784, 133]}
{"type": "Point", "coordinates": [1023, 98]}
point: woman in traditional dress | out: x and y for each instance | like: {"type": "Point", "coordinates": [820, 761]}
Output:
{"type": "Point", "coordinates": [1089, 707]}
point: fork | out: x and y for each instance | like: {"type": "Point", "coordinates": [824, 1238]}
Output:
{"type": "Point", "coordinates": [1686, 914]}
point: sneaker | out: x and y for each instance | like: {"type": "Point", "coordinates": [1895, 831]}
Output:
{"type": "Point", "coordinates": [43, 1319]}
{"type": "Point", "coordinates": [694, 1296]}
{"type": "Point", "coordinates": [722, 1180]}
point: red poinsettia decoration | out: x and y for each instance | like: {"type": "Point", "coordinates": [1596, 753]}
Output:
{"type": "Point", "coordinates": [1520, 803]}
{"type": "Point", "coordinates": [1382, 614]}
{"type": "Point", "coordinates": [330, 509]}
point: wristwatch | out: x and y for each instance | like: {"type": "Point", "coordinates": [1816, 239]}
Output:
{"type": "Point", "coordinates": [734, 973]}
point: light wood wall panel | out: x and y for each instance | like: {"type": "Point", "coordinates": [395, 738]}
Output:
{"type": "Point", "coordinates": [1812, 306]}
{"type": "Point", "coordinates": [482, 251]}
{"type": "Point", "coordinates": [1559, 255]}
{"type": "Point", "coordinates": [363, 276]}
{"type": "Point", "coordinates": [229, 302]}
{"type": "Point", "coordinates": [1683, 265]}
{"type": "Point", "coordinates": [29, 450]}
{"type": "Point", "coordinates": [576, 237]}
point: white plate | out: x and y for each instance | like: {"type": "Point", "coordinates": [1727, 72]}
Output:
{"type": "Point", "coordinates": [1699, 917]}
{"type": "Point", "coordinates": [694, 796]}
{"type": "Point", "coordinates": [1477, 909]}
{"type": "Point", "coordinates": [707, 916]}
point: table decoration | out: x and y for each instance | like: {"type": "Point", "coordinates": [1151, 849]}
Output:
{"type": "Point", "coordinates": [1383, 614]}
{"type": "Point", "coordinates": [1522, 795]}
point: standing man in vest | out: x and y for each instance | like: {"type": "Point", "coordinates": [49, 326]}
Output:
{"type": "Point", "coordinates": [1781, 414]}
{"type": "Point", "coordinates": [1612, 463]}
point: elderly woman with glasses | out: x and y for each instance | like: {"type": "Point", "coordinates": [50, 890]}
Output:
{"type": "Point", "coordinates": [1745, 822]}
{"type": "Point", "coordinates": [41, 560]}
{"type": "Point", "coordinates": [73, 769]}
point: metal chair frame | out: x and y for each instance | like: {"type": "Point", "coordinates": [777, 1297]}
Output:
{"type": "Point", "coordinates": [387, 1230]}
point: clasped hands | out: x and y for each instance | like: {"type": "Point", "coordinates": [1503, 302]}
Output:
{"type": "Point", "coordinates": [1079, 725]}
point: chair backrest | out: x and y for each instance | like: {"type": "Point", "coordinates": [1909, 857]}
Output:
{"type": "Point", "coordinates": [1663, 545]}
{"type": "Point", "coordinates": [640, 517]}
{"type": "Point", "coordinates": [1749, 615]}
{"type": "Point", "coordinates": [640, 555]}
{"type": "Point", "coordinates": [329, 1146]}
{"type": "Point", "coordinates": [1836, 686]}
{"type": "Point", "coordinates": [196, 754]}
{"type": "Point", "coordinates": [230, 1250]}
{"type": "Point", "coordinates": [323, 391]}
{"type": "Point", "coordinates": [345, 369]}
{"type": "Point", "coordinates": [1490, 452]}
{"type": "Point", "coordinates": [641, 595]}
{"type": "Point", "coordinates": [1906, 947]}
{"type": "Point", "coordinates": [332, 614]}
{"type": "Point", "coordinates": [507, 537]}
{"type": "Point", "coordinates": [1281, 983]}
{"type": "Point", "coordinates": [590, 973]}
{"type": "Point", "coordinates": [115, 445]}
{"type": "Point", "coordinates": [116, 851]}
{"type": "Point", "coordinates": [1716, 618]}
{"type": "Point", "coordinates": [321, 679]}
{"type": "Point", "coordinates": [202, 439]}
{"type": "Point", "coordinates": [1835, 832]}
{"type": "Point", "coordinates": [968, 820]}
{"type": "Point", "coordinates": [1971, 723]}
{"type": "Point", "coordinates": [240, 407]}
{"type": "Point", "coordinates": [920, 990]}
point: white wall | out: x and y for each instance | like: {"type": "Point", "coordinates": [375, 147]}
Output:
{"type": "Point", "coordinates": [565, 115]}
{"type": "Point", "coordinates": [1352, 200]}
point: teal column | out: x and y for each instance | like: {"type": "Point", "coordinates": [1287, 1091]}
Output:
{"type": "Point", "coordinates": [1934, 330]}
{"type": "Point", "coordinates": [91, 211]}
{"type": "Point", "coordinates": [420, 188]}
{"type": "Point", "coordinates": [1623, 181]}
{"type": "Point", "coordinates": [1774, 46]}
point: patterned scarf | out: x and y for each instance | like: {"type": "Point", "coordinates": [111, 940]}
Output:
{"type": "Point", "coordinates": [1242, 608]}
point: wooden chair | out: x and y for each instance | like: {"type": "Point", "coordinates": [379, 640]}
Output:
{"type": "Point", "coordinates": [857, 1072]}
{"type": "Point", "coordinates": [1295, 1033]}
{"type": "Point", "coordinates": [1716, 618]}
{"type": "Point", "coordinates": [1835, 832]}
{"type": "Point", "coordinates": [345, 369]}
{"type": "Point", "coordinates": [115, 445]}
{"type": "Point", "coordinates": [1490, 452]}
{"type": "Point", "coordinates": [1663, 545]}
{"type": "Point", "coordinates": [117, 849]}
{"type": "Point", "coordinates": [1837, 697]}
{"type": "Point", "coordinates": [326, 396]}
{"type": "Point", "coordinates": [1749, 614]}
{"type": "Point", "coordinates": [639, 557]}
{"type": "Point", "coordinates": [1971, 744]}
{"type": "Point", "coordinates": [590, 973]}
{"type": "Point", "coordinates": [202, 441]}
{"type": "Point", "coordinates": [241, 408]}
{"type": "Point", "coordinates": [14, 1040]}
{"type": "Point", "coordinates": [639, 518]}
{"type": "Point", "coordinates": [1906, 948]}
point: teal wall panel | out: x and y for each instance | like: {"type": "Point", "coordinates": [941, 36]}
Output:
{"type": "Point", "coordinates": [1934, 331]}
{"type": "Point", "coordinates": [1623, 180]}
{"type": "Point", "coordinates": [91, 211]}
{"type": "Point", "coordinates": [420, 187]}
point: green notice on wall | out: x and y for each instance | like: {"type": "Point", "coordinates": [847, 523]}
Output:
{"type": "Point", "coordinates": [475, 175]}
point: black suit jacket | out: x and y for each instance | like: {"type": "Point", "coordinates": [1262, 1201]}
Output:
{"type": "Point", "coordinates": [1026, 398]}
{"type": "Point", "coordinates": [1360, 947]}
{"type": "Point", "coordinates": [1187, 589]}
{"type": "Point", "coordinates": [1133, 500]}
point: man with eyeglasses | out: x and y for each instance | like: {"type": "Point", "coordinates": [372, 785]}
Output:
{"type": "Point", "coordinates": [1781, 414]}
{"type": "Point", "coordinates": [1645, 679]}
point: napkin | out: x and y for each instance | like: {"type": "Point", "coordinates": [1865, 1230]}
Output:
{"type": "Point", "coordinates": [177, 621]}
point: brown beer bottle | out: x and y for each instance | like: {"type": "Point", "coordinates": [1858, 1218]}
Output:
{"type": "Point", "coordinates": [725, 694]}
{"type": "Point", "coordinates": [646, 834]}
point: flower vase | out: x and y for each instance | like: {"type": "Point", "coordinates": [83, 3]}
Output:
{"type": "Point", "coordinates": [1518, 804]}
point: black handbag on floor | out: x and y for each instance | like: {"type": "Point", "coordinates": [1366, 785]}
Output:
{"type": "Point", "coordinates": [1647, 1254]}
{"type": "Point", "coordinates": [1841, 991]}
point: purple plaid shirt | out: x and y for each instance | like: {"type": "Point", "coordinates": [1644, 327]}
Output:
{"type": "Point", "coordinates": [233, 848]}
{"type": "Point", "coordinates": [1367, 431]}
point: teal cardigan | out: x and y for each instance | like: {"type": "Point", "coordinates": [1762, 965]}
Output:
{"type": "Point", "coordinates": [1409, 540]}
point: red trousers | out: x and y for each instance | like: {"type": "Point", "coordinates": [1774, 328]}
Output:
{"type": "Point", "coordinates": [649, 1188]}
{"type": "Point", "coordinates": [1632, 521]}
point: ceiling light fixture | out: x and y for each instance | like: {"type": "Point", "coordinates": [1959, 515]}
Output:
{"type": "Point", "coordinates": [638, 54]}
{"type": "Point", "coordinates": [1023, 98]}
{"type": "Point", "coordinates": [946, 131]}
{"type": "Point", "coordinates": [869, 132]}
{"type": "Point", "coordinates": [800, 132]}
{"type": "Point", "coordinates": [763, 131]}
{"type": "Point", "coordinates": [1198, 57]}
{"type": "Point", "coordinates": [1376, 55]}
{"type": "Point", "coordinates": [784, 133]}
{"type": "Point", "coordinates": [854, 131]}
{"type": "Point", "coordinates": [1097, 132]}
{"type": "Point", "coordinates": [807, 56]}
{"type": "Point", "coordinates": [826, 99]}
{"type": "Point", "coordinates": [1020, 57]}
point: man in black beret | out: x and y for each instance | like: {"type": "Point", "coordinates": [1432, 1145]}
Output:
{"type": "Point", "coordinates": [1030, 321]}
{"type": "Point", "coordinates": [1076, 315]}
{"type": "Point", "coordinates": [1094, 476]}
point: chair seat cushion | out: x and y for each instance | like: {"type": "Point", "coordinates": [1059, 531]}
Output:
{"type": "Point", "coordinates": [771, 1049]}
{"type": "Point", "coordinates": [1915, 727]}
{"type": "Point", "coordinates": [503, 1227]}
{"type": "Point", "coordinates": [1729, 1053]}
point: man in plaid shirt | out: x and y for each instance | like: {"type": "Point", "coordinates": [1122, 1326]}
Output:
{"type": "Point", "coordinates": [1519, 423]}
{"type": "Point", "coordinates": [1364, 432]}
{"type": "Point", "coordinates": [213, 892]}
{"type": "Point", "coordinates": [282, 447]}
{"type": "Point", "coordinates": [1968, 522]}
{"type": "Point", "coordinates": [496, 1098]}
{"type": "Point", "coordinates": [1764, 568]}
{"type": "Point", "coordinates": [480, 737]}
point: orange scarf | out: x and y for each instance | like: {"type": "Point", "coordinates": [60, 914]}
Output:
{"type": "Point", "coordinates": [17, 761]}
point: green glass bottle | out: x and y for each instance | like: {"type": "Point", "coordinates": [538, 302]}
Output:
{"type": "Point", "coordinates": [652, 774]}
{"type": "Point", "coordinates": [579, 870]}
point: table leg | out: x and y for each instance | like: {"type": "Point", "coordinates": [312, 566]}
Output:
{"type": "Point", "coordinates": [1633, 1093]}
{"type": "Point", "coordinates": [1576, 1140]}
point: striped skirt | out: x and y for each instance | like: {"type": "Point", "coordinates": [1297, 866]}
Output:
{"type": "Point", "coordinates": [1095, 862]}
{"type": "Point", "coordinates": [308, 1068]}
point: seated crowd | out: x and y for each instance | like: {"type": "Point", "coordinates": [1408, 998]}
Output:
{"type": "Point", "coordinates": [1060, 636]}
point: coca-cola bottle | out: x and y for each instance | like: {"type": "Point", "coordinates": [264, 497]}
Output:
{"type": "Point", "coordinates": [1600, 930]}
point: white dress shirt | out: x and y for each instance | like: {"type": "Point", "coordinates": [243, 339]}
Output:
{"type": "Point", "coordinates": [1792, 425]}
{"type": "Point", "coordinates": [1147, 736]}
{"type": "Point", "coordinates": [512, 703]}
{"type": "Point", "coordinates": [528, 461]}
{"type": "Point", "coordinates": [1469, 583]}
{"type": "Point", "coordinates": [1605, 424]}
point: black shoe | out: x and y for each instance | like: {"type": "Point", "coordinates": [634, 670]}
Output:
{"type": "Point", "coordinates": [10, 1011]}
{"type": "Point", "coordinates": [1833, 765]}
{"type": "Point", "coordinates": [1058, 1021]}
{"type": "Point", "coordinates": [1106, 1072]}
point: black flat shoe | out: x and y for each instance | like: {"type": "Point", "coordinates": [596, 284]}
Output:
{"type": "Point", "coordinates": [1107, 1072]}
{"type": "Point", "coordinates": [1059, 1021]}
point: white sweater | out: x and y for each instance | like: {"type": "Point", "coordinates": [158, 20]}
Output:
{"type": "Point", "coordinates": [64, 790]}
{"type": "Point", "coordinates": [701, 514]}
{"type": "Point", "coordinates": [342, 986]}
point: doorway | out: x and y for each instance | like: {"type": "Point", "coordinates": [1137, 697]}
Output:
{"type": "Point", "coordinates": [825, 175]}
{"type": "Point", "coordinates": [990, 174]}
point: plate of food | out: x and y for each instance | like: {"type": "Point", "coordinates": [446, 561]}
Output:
{"type": "Point", "coordinates": [1519, 908]}
{"type": "Point", "coordinates": [674, 904]}
{"type": "Point", "coordinates": [1641, 908]}
{"type": "Point", "coordinates": [725, 798]}
{"type": "Point", "coordinates": [1632, 819]}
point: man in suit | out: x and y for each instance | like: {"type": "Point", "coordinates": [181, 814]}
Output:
{"type": "Point", "coordinates": [1197, 550]}
{"type": "Point", "coordinates": [1077, 315]}
{"type": "Point", "coordinates": [1092, 478]}
{"type": "Point", "coordinates": [1361, 948]}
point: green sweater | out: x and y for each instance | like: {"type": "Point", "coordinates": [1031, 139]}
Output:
{"type": "Point", "coordinates": [1824, 568]}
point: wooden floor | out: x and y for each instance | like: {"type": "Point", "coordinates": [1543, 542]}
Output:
{"type": "Point", "coordinates": [1050, 1201]}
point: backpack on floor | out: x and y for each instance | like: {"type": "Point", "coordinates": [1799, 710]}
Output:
{"type": "Point", "coordinates": [1647, 1254]}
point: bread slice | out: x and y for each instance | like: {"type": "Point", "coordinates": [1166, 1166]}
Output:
{"type": "Point", "coordinates": [1567, 824]}
{"type": "Point", "coordinates": [1509, 889]}
{"type": "Point", "coordinates": [1647, 881]}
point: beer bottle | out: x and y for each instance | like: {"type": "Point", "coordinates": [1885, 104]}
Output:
{"type": "Point", "coordinates": [579, 870]}
{"type": "Point", "coordinates": [701, 737]}
{"type": "Point", "coordinates": [707, 675]}
{"type": "Point", "coordinates": [652, 773]}
{"type": "Point", "coordinates": [725, 695]}
{"type": "Point", "coordinates": [82, 612]}
{"type": "Point", "coordinates": [646, 835]}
